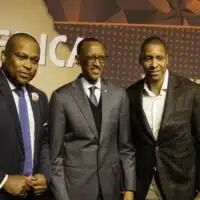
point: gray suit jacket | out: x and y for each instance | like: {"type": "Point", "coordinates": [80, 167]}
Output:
{"type": "Point", "coordinates": [82, 164]}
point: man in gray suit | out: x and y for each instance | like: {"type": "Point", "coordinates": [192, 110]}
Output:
{"type": "Point", "coordinates": [90, 141]}
{"type": "Point", "coordinates": [165, 111]}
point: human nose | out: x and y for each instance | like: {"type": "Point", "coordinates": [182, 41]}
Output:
{"type": "Point", "coordinates": [97, 62]}
{"type": "Point", "coordinates": [154, 63]}
{"type": "Point", "coordinates": [27, 63]}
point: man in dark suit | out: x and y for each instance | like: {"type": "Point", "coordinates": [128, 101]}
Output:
{"type": "Point", "coordinates": [165, 112]}
{"type": "Point", "coordinates": [90, 134]}
{"type": "Point", "coordinates": [23, 118]}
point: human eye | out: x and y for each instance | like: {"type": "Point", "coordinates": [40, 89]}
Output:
{"type": "Point", "coordinates": [102, 58]}
{"type": "Point", "coordinates": [35, 60]}
{"type": "Point", "coordinates": [147, 58]}
{"type": "Point", "coordinates": [160, 58]}
{"type": "Point", "coordinates": [21, 56]}
{"type": "Point", "coordinates": [90, 58]}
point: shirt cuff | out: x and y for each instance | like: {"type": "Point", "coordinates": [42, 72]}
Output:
{"type": "Point", "coordinates": [4, 181]}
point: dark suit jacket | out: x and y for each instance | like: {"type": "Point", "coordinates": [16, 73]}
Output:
{"type": "Point", "coordinates": [175, 154]}
{"type": "Point", "coordinates": [81, 162]}
{"type": "Point", "coordinates": [11, 143]}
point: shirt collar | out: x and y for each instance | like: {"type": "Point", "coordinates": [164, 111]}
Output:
{"type": "Point", "coordinates": [163, 88]}
{"type": "Point", "coordinates": [87, 85]}
{"type": "Point", "coordinates": [165, 82]}
{"type": "Point", "coordinates": [11, 85]}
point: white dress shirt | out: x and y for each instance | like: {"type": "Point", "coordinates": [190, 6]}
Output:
{"type": "Point", "coordinates": [87, 86]}
{"type": "Point", "coordinates": [153, 105]}
{"type": "Point", "coordinates": [30, 116]}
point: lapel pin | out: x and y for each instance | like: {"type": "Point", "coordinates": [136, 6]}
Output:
{"type": "Point", "coordinates": [34, 96]}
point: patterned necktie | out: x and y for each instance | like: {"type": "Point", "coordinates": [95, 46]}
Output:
{"type": "Point", "coordinates": [92, 96]}
{"type": "Point", "coordinates": [24, 122]}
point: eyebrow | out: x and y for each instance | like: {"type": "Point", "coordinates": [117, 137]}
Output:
{"type": "Point", "coordinates": [21, 54]}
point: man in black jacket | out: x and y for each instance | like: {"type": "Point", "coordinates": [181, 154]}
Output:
{"type": "Point", "coordinates": [165, 111]}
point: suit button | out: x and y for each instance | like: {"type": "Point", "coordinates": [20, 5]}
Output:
{"type": "Point", "coordinates": [157, 148]}
{"type": "Point", "coordinates": [155, 169]}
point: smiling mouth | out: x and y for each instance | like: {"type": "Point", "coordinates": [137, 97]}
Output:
{"type": "Point", "coordinates": [154, 72]}
{"type": "Point", "coordinates": [24, 75]}
{"type": "Point", "coordinates": [96, 70]}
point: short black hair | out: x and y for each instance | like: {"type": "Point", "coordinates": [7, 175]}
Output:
{"type": "Point", "coordinates": [87, 39]}
{"type": "Point", "coordinates": [12, 38]}
{"type": "Point", "coordinates": [152, 40]}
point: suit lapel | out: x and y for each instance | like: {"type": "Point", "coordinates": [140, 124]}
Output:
{"type": "Point", "coordinates": [7, 94]}
{"type": "Point", "coordinates": [139, 97]}
{"type": "Point", "coordinates": [82, 101]}
{"type": "Point", "coordinates": [169, 103]}
{"type": "Point", "coordinates": [105, 95]}
{"type": "Point", "coordinates": [36, 116]}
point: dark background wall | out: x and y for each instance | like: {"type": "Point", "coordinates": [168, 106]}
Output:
{"type": "Point", "coordinates": [123, 24]}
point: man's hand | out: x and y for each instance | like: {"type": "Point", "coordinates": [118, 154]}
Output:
{"type": "Point", "coordinates": [197, 196]}
{"type": "Point", "coordinates": [38, 183]}
{"type": "Point", "coordinates": [16, 185]}
{"type": "Point", "coordinates": [128, 195]}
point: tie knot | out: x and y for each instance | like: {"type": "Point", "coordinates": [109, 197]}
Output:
{"type": "Point", "coordinates": [92, 89]}
{"type": "Point", "coordinates": [19, 92]}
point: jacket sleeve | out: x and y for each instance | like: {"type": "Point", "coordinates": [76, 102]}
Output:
{"type": "Point", "coordinates": [57, 123]}
{"type": "Point", "coordinates": [44, 161]}
{"type": "Point", "coordinates": [126, 146]}
{"type": "Point", "coordinates": [196, 132]}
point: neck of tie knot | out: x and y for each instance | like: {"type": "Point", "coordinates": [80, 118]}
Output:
{"type": "Point", "coordinates": [25, 131]}
{"type": "Point", "coordinates": [92, 89]}
{"type": "Point", "coordinates": [92, 96]}
{"type": "Point", "coordinates": [19, 92]}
